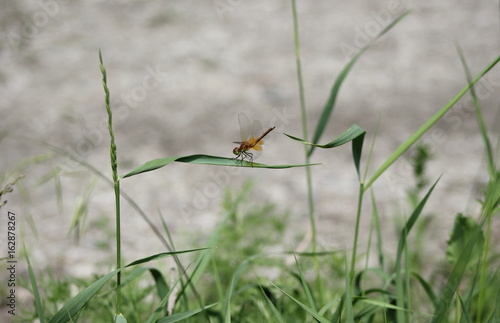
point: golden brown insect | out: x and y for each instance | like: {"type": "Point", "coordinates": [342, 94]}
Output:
{"type": "Point", "coordinates": [250, 146]}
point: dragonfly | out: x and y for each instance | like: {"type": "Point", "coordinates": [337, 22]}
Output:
{"type": "Point", "coordinates": [250, 146]}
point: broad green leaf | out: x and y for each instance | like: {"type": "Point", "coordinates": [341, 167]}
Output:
{"type": "Point", "coordinates": [205, 160]}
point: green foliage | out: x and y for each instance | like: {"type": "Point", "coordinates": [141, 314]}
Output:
{"type": "Point", "coordinates": [463, 230]}
{"type": "Point", "coordinates": [236, 274]}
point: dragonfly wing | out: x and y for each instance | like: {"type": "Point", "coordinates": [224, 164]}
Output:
{"type": "Point", "coordinates": [256, 151]}
{"type": "Point", "coordinates": [257, 129]}
{"type": "Point", "coordinates": [245, 127]}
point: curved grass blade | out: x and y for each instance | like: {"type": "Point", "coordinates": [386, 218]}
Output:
{"type": "Point", "coordinates": [355, 133]}
{"type": "Point", "coordinates": [162, 255]}
{"type": "Point", "coordinates": [350, 134]}
{"type": "Point", "coordinates": [205, 160]}
{"type": "Point", "coordinates": [71, 308]}
{"type": "Point", "coordinates": [328, 108]}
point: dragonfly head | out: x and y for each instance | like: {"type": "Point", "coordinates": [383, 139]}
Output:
{"type": "Point", "coordinates": [236, 150]}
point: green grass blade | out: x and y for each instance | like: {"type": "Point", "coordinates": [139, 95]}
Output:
{"type": "Point", "coordinates": [277, 315]}
{"type": "Point", "coordinates": [309, 310]}
{"type": "Point", "coordinates": [162, 255]}
{"type": "Point", "coordinates": [177, 317]}
{"type": "Point", "coordinates": [205, 160]}
{"type": "Point", "coordinates": [423, 129]}
{"type": "Point", "coordinates": [465, 312]}
{"type": "Point", "coordinates": [350, 134]}
{"type": "Point", "coordinates": [400, 296]}
{"type": "Point", "coordinates": [74, 305]}
{"type": "Point", "coordinates": [490, 158]}
{"type": "Point", "coordinates": [164, 299]}
{"type": "Point", "coordinates": [427, 288]}
{"type": "Point", "coordinates": [330, 104]}
{"type": "Point", "coordinates": [305, 286]}
{"type": "Point", "coordinates": [36, 293]}
{"type": "Point", "coordinates": [383, 304]}
{"type": "Point", "coordinates": [378, 231]}
{"type": "Point", "coordinates": [355, 133]}
{"type": "Point", "coordinates": [348, 295]}
{"type": "Point", "coordinates": [454, 279]}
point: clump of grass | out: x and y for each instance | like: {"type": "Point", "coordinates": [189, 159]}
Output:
{"type": "Point", "coordinates": [230, 277]}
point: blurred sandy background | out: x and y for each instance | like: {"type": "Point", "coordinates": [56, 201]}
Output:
{"type": "Point", "coordinates": [211, 60]}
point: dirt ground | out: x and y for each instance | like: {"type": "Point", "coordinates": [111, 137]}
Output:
{"type": "Point", "coordinates": [179, 73]}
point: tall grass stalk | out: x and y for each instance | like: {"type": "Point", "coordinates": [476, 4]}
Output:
{"type": "Point", "coordinates": [305, 135]}
{"type": "Point", "coordinates": [114, 167]}
{"type": "Point", "coordinates": [426, 126]}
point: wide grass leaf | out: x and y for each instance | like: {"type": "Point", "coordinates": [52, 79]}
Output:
{"type": "Point", "coordinates": [205, 160]}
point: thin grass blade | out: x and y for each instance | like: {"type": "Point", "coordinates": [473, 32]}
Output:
{"type": "Point", "coordinates": [305, 286]}
{"type": "Point", "coordinates": [400, 296]}
{"type": "Point", "coordinates": [74, 305]}
{"type": "Point", "coordinates": [309, 310]}
{"type": "Point", "coordinates": [330, 104]}
{"type": "Point", "coordinates": [277, 315]}
{"type": "Point", "coordinates": [162, 255]}
{"type": "Point", "coordinates": [447, 295]}
{"type": "Point", "coordinates": [36, 293]}
{"type": "Point", "coordinates": [427, 288]}
{"type": "Point", "coordinates": [177, 317]}
{"type": "Point", "coordinates": [490, 158]}
{"type": "Point", "coordinates": [426, 126]}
